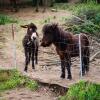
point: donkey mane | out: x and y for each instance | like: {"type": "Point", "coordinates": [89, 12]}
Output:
{"type": "Point", "coordinates": [62, 37]}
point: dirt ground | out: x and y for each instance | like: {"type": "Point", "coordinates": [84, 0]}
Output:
{"type": "Point", "coordinates": [25, 94]}
{"type": "Point", "coordinates": [48, 70]}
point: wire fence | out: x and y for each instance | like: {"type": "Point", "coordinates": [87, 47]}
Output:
{"type": "Point", "coordinates": [48, 56]}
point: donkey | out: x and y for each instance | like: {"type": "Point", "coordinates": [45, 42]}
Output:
{"type": "Point", "coordinates": [67, 46]}
{"type": "Point", "coordinates": [30, 44]}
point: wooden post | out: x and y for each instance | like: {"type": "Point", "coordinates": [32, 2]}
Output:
{"type": "Point", "coordinates": [14, 48]}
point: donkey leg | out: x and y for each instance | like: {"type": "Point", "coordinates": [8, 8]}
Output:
{"type": "Point", "coordinates": [29, 56]}
{"type": "Point", "coordinates": [63, 69]}
{"type": "Point", "coordinates": [83, 65]}
{"type": "Point", "coordinates": [68, 66]}
{"type": "Point", "coordinates": [36, 56]}
{"type": "Point", "coordinates": [86, 63]}
{"type": "Point", "coordinates": [87, 58]}
{"type": "Point", "coordinates": [33, 60]}
{"type": "Point", "coordinates": [26, 60]}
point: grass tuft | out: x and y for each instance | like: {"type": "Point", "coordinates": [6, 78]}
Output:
{"type": "Point", "coordinates": [83, 91]}
{"type": "Point", "coordinates": [85, 19]}
{"type": "Point", "coordinates": [10, 79]}
{"type": "Point", "coordinates": [4, 19]}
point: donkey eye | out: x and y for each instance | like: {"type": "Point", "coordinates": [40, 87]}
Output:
{"type": "Point", "coordinates": [30, 29]}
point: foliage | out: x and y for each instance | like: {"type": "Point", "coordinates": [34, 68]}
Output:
{"type": "Point", "coordinates": [89, 16]}
{"type": "Point", "coordinates": [31, 84]}
{"type": "Point", "coordinates": [86, 27]}
{"type": "Point", "coordinates": [88, 1]}
{"type": "Point", "coordinates": [83, 91]}
{"type": "Point", "coordinates": [59, 1]}
{"type": "Point", "coordinates": [11, 79]}
{"type": "Point", "coordinates": [60, 6]}
{"type": "Point", "coordinates": [89, 10]}
{"type": "Point", "coordinates": [4, 19]}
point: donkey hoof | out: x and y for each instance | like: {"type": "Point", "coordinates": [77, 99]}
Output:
{"type": "Point", "coordinates": [69, 77]}
{"type": "Point", "coordinates": [87, 69]}
{"type": "Point", "coordinates": [33, 67]}
{"type": "Point", "coordinates": [36, 63]}
{"type": "Point", "coordinates": [83, 73]}
{"type": "Point", "coordinates": [62, 76]}
{"type": "Point", "coordinates": [25, 70]}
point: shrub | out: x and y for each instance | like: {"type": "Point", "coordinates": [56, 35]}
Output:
{"type": "Point", "coordinates": [86, 27]}
{"type": "Point", "coordinates": [4, 19]}
{"type": "Point", "coordinates": [83, 91]}
{"type": "Point", "coordinates": [90, 15]}
{"type": "Point", "coordinates": [12, 79]}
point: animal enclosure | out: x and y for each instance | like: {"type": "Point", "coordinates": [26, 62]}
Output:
{"type": "Point", "coordinates": [67, 45]}
{"type": "Point", "coordinates": [48, 70]}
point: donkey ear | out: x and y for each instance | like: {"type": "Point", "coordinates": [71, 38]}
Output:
{"type": "Point", "coordinates": [35, 27]}
{"type": "Point", "coordinates": [24, 26]}
{"type": "Point", "coordinates": [32, 25]}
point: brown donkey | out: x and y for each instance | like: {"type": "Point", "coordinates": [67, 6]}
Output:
{"type": "Point", "coordinates": [30, 44]}
{"type": "Point", "coordinates": [67, 46]}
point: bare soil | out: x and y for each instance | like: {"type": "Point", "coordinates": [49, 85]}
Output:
{"type": "Point", "coordinates": [25, 94]}
{"type": "Point", "coordinates": [48, 69]}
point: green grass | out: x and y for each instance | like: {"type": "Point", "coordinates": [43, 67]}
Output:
{"type": "Point", "coordinates": [10, 79]}
{"type": "Point", "coordinates": [88, 12]}
{"type": "Point", "coordinates": [83, 91]}
{"type": "Point", "coordinates": [4, 19]}
{"type": "Point", "coordinates": [82, 8]}
{"type": "Point", "coordinates": [60, 6]}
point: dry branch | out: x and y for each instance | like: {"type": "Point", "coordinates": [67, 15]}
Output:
{"type": "Point", "coordinates": [94, 56]}
{"type": "Point", "coordinates": [47, 52]}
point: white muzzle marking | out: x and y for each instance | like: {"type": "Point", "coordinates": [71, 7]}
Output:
{"type": "Point", "coordinates": [33, 35]}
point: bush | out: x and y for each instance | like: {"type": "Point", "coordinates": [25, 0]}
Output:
{"type": "Point", "coordinates": [63, 6]}
{"type": "Point", "coordinates": [12, 79]}
{"type": "Point", "coordinates": [4, 19]}
{"type": "Point", "coordinates": [86, 27]}
{"type": "Point", "coordinates": [83, 91]}
{"type": "Point", "coordinates": [90, 16]}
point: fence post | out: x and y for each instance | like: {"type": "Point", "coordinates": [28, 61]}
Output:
{"type": "Point", "coordinates": [14, 47]}
{"type": "Point", "coordinates": [80, 55]}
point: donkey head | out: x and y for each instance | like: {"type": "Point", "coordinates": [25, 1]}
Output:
{"type": "Point", "coordinates": [31, 30]}
{"type": "Point", "coordinates": [49, 31]}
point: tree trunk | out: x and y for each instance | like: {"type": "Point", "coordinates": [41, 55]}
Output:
{"type": "Point", "coordinates": [37, 5]}
{"type": "Point", "coordinates": [44, 5]}
{"type": "Point", "coordinates": [98, 1]}
{"type": "Point", "coordinates": [13, 4]}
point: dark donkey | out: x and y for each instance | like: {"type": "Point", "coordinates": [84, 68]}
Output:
{"type": "Point", "coordinates": [30, 44]}
{"type": "Point", "coordinates": [67, 46]}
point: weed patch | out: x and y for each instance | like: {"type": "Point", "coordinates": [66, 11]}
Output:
{"type": "Point", "coordinates": [86, 18]}
{"type": "Point", "coordinates": [4, 19]}
{"type": "Point", "coordinates": [83, 91]}
{"type": "Point", "coordinates": [10, 79]}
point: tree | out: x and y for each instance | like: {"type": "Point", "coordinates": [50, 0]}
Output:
{"type": "Point", "coordinates": [44, 3]}
{"type": "Point", "coordinates": [13, 4]}
{"type": "Point", "coordinates": [86, 1]}
{"type": "Point", "coordinates": [98, 1]}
